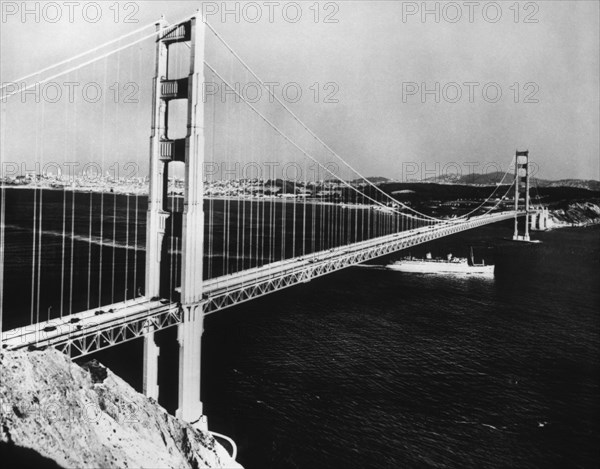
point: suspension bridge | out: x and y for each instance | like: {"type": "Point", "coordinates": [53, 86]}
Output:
{"type": "Point", "coordinates": [89, 265]}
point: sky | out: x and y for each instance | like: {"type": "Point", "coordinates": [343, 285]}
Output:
{"type": "Point", "coordinates": [457, 89]}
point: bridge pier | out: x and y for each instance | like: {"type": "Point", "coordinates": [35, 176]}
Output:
{"type": "Point", "coordinates": [534, 223]}
{"type": "Point", "coordinates": [151, 354]}
{"type": "Point", "coordinates": [189, 335]}
{"type": "Point", "coordinates": [539, 219]}
{"type": "Point", "coordinates": [544, 216]}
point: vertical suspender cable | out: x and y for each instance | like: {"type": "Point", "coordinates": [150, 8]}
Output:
{"type": "Point", "coordinates": [304, 197]}
{"type": "Point", "coordinates": [283, 204]}
{"type": "Point", "coordinates": [64, 216]}
{"type": "Point", "coordinates": [136, 290]}
{"type": "Point", "coordinates": [89, 273]}
{"type": "Point", "coordinates": [103, 133]}
{"type": "Point", "coordinates": [244, 187]}
{"type": "Point", "coordinates": [114, 232]}
{"type": "Point", "coordinates": [34, 226]}
{"type": "Point", "coordinates": [89, 283]}
{"type": "Point", "coordinates": [295, 203]}
{"type": "Point", "coordinates": [257, 220]}
{"type": "Point", "coordinates": [2, 212]}
{"type": "Point", "coordinates": [74, 152]}
{"type": "Point", "coordinates": [126, 276]}
{"type": "Point", "coordinates": [41, 206]}
{"type": "Point", "coordinates": [211, 210]}
{"type": "Point", "coordinates": [313, 210]}
{"type": "Point", "coordinates": [263, 220]}
{"type": "Point", "coordinates": [272, 217]}
{"type": "Point", "coordinates": [238, 194]}
{"type": "Point", "coordinates": [225, 194]}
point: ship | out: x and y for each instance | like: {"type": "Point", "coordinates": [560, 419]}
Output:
{"type": "Point", "coordinates": [449, 265]}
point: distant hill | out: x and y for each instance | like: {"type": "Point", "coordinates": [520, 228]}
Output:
{"type": "Point", "coordinates": [421, 192]}
{"type": "Point", "coordinates": [488, 179]}
{"type": "Point", "coordinates": [494, 178]}
{"type": "Point", "coordinates": [588, 184]}
{"type": "Point", "coordinates": [374, 180]}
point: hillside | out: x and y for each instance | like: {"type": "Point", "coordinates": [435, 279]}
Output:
{"type": "Point", "coordinates": [496, 177]}
{"type": "Point", "coordinates": [576, 214]}
{"type": "Point", "coordinates": [58, 414]}
{"type": "Point", "coordinates": [422, 192]}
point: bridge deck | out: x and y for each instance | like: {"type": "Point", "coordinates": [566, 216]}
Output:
{"type": "Point", "coordinates": [98, 328]}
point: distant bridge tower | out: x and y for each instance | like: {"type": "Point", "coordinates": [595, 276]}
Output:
{"type": "Point", "coordinates": [190, 151]}
{"type": "Point", "coordinates": [521, 173]}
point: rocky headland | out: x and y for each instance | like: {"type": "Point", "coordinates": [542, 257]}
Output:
{"type": "Point", "coordinates": [575, 214]}
{"type": "Point", "coordinates": [56, 413]}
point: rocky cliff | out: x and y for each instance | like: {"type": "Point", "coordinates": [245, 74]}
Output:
{"type": "Point", "coordinates": [55, 413]}
{"type": "Point", "coordinates": [575, 214]}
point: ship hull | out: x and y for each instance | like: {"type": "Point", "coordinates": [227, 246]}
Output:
{"type": "Point", "coordinates": [441, 268]}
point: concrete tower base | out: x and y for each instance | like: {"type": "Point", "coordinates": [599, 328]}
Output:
{"type": "Point", "coordinates": [189, 336]}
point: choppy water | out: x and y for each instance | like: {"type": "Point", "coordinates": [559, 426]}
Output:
{"type": "Point", "coordinates": [373, 368]}
{"type": "Point", "coordinates": [370, 368]}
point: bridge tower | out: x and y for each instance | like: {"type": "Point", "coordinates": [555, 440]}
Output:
{"type": "Point", "coordinates": [190, 151]}
{"type": "Point", "coordinates": [521, 186]}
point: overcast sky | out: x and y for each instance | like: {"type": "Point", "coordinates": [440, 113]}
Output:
{"type": "Point", "coordinates": [379, 55]}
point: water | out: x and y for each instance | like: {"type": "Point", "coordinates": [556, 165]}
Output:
{"type": "Point", "coordinates": [370, 368]}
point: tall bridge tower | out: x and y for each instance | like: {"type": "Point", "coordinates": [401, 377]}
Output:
{"type": "Point", "coordinates": [190, 151]}
{"type": "Point", "coordinates": [521, 186]}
